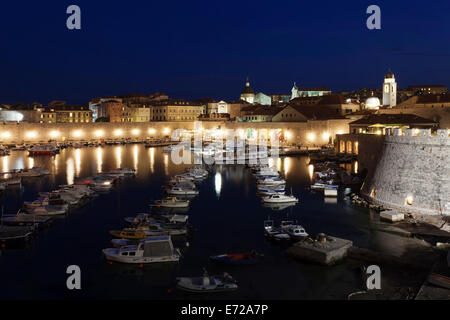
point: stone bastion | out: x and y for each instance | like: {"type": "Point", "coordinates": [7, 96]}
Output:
{"type": "Point", "coordinates": [413, 172]}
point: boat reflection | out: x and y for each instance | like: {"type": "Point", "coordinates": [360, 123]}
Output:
{"type": "Point", "coordinates": [99, 159]}
{"type": "Point", "coordinates": [278, 206]}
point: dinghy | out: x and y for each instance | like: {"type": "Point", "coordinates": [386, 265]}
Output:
{"type": "Point", "coordinates": [215, 283]}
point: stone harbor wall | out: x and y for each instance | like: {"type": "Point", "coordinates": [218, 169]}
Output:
{"type": "Point", "coordinates": [413, 173]}
{"type": "Point", "coordinates": [308, 133]}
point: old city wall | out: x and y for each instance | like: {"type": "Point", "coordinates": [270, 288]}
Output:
{"type": "Point", "coordinates": [305, 133]}
{"type": "Point", "coordinates": [413, 173]}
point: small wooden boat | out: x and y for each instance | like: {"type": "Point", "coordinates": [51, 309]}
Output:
{"type": "Point", "coordinates": [439, 280]}
{"type": "Point", "coordinates": [128, 233]}
{"type": "Point", "coordinates": [216, 283]}
{"type": "Point", "coordinates": [239, 258]}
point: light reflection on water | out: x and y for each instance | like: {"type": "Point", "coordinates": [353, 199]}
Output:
{"type": "Point", "coordinates": [227, 199]}
{"type": "Point", "coordinates": [70, 171]}
{"type": "Point", "coordinates": [99, 159]}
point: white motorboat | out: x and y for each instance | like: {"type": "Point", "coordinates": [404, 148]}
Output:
{"type": "Point", "coordinates": [123, 171]}
{"type": "Point", "coordinates": [215, 283]}
{"type": "Point", "coordinates": [182, 191]}
{"type": "Point", "coordinates": [296, 231]}
{"type": "Point", "coordinates": [149, 250]}
{"type": "Point", "coordinates": [267, 173]}
{"type": "Point", "coordinates": [279, 198]}
{"type": "Point", "coordinates": [271, 182]}
{"type": "Point", "coordinates": [274, 233]}
{"type": "Point", "coordinates": [172, 202]}
{"type": "Point", "coordinates": [322, 186]}
{"type": "Point", "coordinates": [47, 211]}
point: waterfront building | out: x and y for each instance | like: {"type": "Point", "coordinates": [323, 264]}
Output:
{"type": "Point", "coordinates": [427, 89]}
{"type": "Point", "coordinates": [308, 92]}
{"type": "Point", "coordinates": [379, 123]}
{"type": "Point", "coordinates": [65, 113]}
{"type": "Point", "coordinates": [247, 93]}
{"type": "Point", "coordinates": [302, 113]}
{"type": "Point", "coordinates": [389, 91]}
{"type": "Point", "coordinates": [263, 99]}
{"type": "Point", "coordinates": [335, 102]}
{"type": "Point", "coordinates": [235, 107]}
{"type": "Point", "coordinates": [176, 110]}
{"type": "Point", "coordinates": [258, 113]}
{"type": "Point", "coordinates": [214, 117]}
{"type": "Point", "coordinates": [140, 113]}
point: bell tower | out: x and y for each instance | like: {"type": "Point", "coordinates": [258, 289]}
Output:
{"type": "Point", "coordinates": [389, 91]}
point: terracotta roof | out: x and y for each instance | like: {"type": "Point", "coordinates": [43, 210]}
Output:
{"type": "Point", "coordinates": [317, 112]}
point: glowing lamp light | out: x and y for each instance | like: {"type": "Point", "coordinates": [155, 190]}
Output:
{"type": "Point", "coordinates": [379, 132]}
{"type": "Point", "coordinates": [77, 133]}
{"type": "Point", "coordinates": [311, 136]}
{"type": "Point", "coordinates": [151, 131]}
{"type": "Point", "coordinates": [326, 136]}
{"type": "Point", "coordinates": [54, 134]}
{"type": "Point", "coordinates": [118, 132]}
{"type": "Point", "coordinates": [6, 135]}
{"type": "Point", "coordinates": [135, 132]}
{"type": "Point", "coordinates": [99, 133]}
{"type": "Point", "coordinates": [340, 132]}
{"type": "Point", "coordinates": [166, 131]}
{"type": "Point", "coordinates": [288, 135]}
{"type": "Point", "coordinates": [409, 200]}
{"type": "Point", "coordinates": [31, 134]}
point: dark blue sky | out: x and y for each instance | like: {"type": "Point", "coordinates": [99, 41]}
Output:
{"type": "Point", "coordinates": [194, 49]}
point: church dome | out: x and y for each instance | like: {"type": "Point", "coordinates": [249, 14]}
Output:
{"type": "Point", "coordinates": [247, 89]}
{"type": "Point", "coordinates": [373, 103]}
{"type": "Point", "coordinates": [389, 75]}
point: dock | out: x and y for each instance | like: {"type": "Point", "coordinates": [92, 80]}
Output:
{"type": "Point", "coordinates": [326, 250]}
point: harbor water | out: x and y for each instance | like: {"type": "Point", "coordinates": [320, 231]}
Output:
{"type": "Point", "coordinates": [226, 217]}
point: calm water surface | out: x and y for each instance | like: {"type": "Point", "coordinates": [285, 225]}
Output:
{"type": "Point", "coordinates": [227, 217]}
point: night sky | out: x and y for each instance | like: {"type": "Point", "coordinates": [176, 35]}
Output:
{"type": "Point", "coordinates": [196, 49]}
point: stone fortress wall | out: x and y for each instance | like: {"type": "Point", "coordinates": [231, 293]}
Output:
{"type": "Point", "coordinates": [413, 172]}
{"type": "Point", "coordinates": [308, 133]}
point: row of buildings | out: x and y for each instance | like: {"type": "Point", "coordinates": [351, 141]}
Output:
{"type": "Point", "coordinates": [302, 104]}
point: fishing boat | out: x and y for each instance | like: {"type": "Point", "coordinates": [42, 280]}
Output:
{"type": "Point", "coordinates": [129, 233]}
{"type": "Point", "coordinates": [295, 231]}
{"type": "Point", "coordinates": [279, 198]}
{"type": "Point", "coordinates": [172, 202]}
{"type": "Point", "coordinates": [274, 233]}
{"type": "Point", "coordinates": [239, 258]}
{"type": "Point", "coordinates": [182, 191]}
{"type": "Point", "coordinates": [149, 250]}
{"type": "Point", "coordinates": [322, 186]}
{"type": "Point", "coordinates": [215, 283]}
{"type": "Point", "coordinates": [42, 149]}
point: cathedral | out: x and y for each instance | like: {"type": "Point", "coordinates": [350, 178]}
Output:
{"type": "Point", "coordinates": [308, 92]}
{"type": "Point", "coordinates": [247, 94]}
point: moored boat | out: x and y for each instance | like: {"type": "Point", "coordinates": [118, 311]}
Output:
{"type": "Point", "coordinates": [215, 283]}
{"type": "Point", "coordinates": [239, 258]}
{"type": "Point", "coordinates": [149, 250]}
